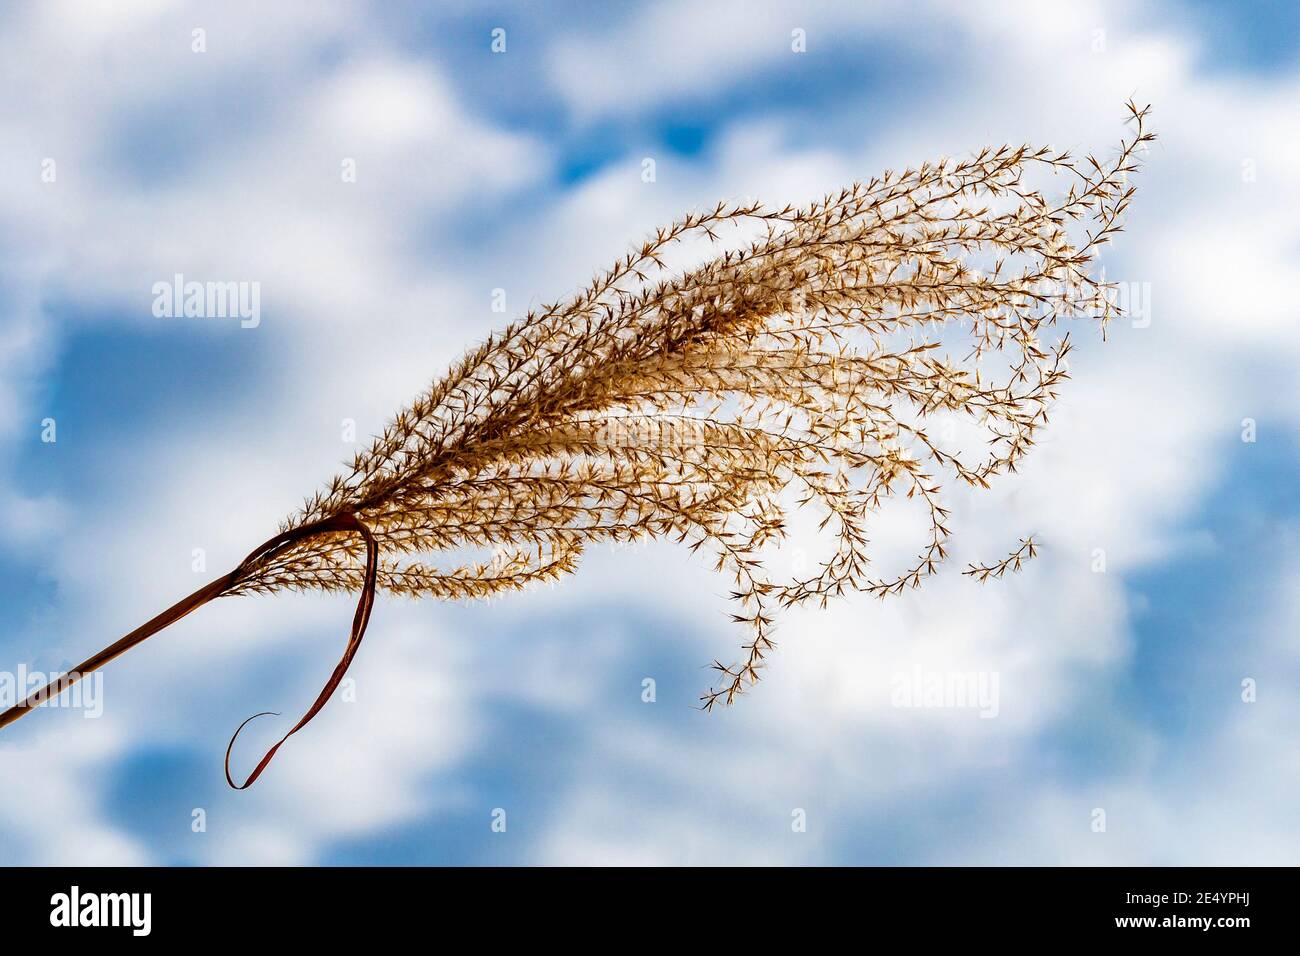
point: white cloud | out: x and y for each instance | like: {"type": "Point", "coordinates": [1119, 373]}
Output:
{"type": "Point", "coordinates": [50, 806]}
{"type": "Point", "coordinates": [678, 50]}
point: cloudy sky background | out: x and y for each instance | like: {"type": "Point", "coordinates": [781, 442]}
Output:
{"type": "Point", "coordinates": [1119, 691]}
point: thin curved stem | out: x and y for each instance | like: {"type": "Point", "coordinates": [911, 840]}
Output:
{"type": "Point", "coordinates": [269, 549]}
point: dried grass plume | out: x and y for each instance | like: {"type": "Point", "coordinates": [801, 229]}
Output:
{"type": "Point", "coordinates": [801, 368]}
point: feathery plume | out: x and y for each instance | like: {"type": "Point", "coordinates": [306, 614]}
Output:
{"type": "Point", "coordinates": [800, 369]}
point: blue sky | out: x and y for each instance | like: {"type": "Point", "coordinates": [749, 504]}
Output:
{"type": "Point", "coordinates": [1120, 690]}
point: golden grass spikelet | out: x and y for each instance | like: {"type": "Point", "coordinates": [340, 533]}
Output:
{"type": "Point", "coordinates": [1027, 551]}
{"type": "Point", "coordinates": [693, 404]}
